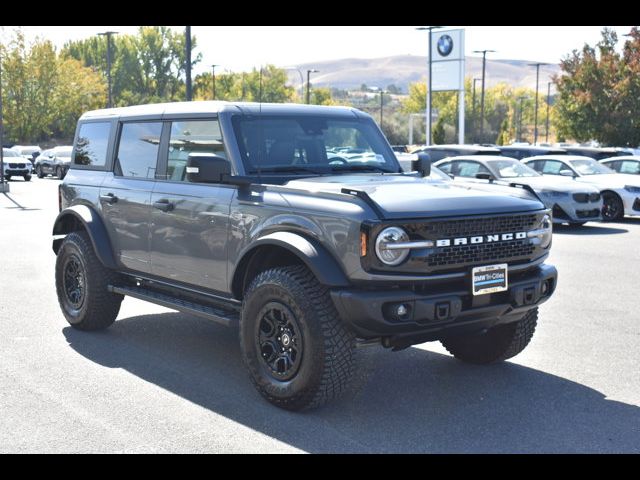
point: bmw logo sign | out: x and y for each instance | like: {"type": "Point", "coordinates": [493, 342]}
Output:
{"type": "Point", "coordinates": [445, 45]}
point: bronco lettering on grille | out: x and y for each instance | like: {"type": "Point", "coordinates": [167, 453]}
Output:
{"type": "Point", "coordinates": [502, 237]}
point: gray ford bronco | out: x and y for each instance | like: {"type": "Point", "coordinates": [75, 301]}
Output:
{"type": "Point", "coordinates": [297, 225]}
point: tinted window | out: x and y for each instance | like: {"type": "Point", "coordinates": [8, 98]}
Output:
{"type": "Point", "coordinates": [92, 143]}
{"type": "Point", "coordinates": [628, 166]}
{"type": "Point", "coordinates": [470, 169]}
{"type": "Point", "coordinates": [553, 167]}
{"type": "Point", "coordinates": [445, 167]}
{"type": "Point", "coordinates": [192, 136]}
{"type": "Point", "coordinates": [138, 149]}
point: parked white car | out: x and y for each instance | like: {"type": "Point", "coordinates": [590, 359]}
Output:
{"type": "Point", "coordinates": [569, 201]}
{"type": "Point", "coordinates": [30, 152]}
{"type": "Point", "coordinates": [620, 191]}
{"type": "Point", "coordinates": [15, 165]}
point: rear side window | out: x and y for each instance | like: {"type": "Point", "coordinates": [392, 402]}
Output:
{"type": "Point", "coordinates": [92, 143]}
{"type": "Point", "coordinates": [192, 136]}
{"type": "Point", "coordinates": [138, 149]}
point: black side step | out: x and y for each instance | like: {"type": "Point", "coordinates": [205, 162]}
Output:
{"type": "Point", "coordinates": [218, 315]}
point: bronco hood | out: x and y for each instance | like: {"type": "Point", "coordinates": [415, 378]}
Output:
{"type": "Point", "coordinates": [412, 197]}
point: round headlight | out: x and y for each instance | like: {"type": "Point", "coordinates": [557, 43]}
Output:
{"type": "Point", "coordinates": [385, 249]}
{"type": "Point", "coordinates": [543, 232]}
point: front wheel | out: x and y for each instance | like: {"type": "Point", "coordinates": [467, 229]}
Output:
{"type": "Point", "coordinates": [612, 207]}
{"type": "Point", "coordinates": [496, 344]}
{"type": "Point", "coordinates": [39, 172]}
{"type": "Point", "coordinates": [27, 178]}
{"type": "Point", "coordinates": [82, 285]}
{"type": "Point", "coordinates": [7, 177]}
{"type": "Point", "coordinates": [59, 173]}
{"type": "Point", "coordinates": [297, 350]}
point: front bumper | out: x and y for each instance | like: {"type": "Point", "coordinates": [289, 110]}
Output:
{"type": "Point", "coordinates": [17, 172]}
{"type": "Point", "coordinates": [444, 310]}
{"type": "Point", "coordinates": [575, 212]}
{"type": "Point", "coordinates": [631, 203]}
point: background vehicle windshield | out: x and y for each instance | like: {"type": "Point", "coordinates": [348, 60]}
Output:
{"type": "Point", "coordinates": [63, 151]}
{"type": "Point", "coordinates": [511, 169]}
{"type": "Point", "coordinates": [303, 144]}
{"type": "Point", "coordinates": [590, 167]}
{"type": "Point", "coordinates": [9, 153]}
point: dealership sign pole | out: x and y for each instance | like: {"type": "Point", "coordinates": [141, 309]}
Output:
{"type": "Point", "coordinates": [447, 52]}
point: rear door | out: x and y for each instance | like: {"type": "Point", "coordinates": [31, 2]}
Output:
{"type": "Point", "coordinates": [125, 197]}
{"type": "Point", "coordinates": [189, 221]}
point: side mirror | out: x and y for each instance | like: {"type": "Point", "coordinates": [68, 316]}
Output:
{"type": "Point", "coordinates": [485, 176]}
{"type": "Point", "coordinates": [422, 164]}
{"type": "Point", "coordinates": [207, 168]}
{"type": "Point", "coordinates": [567, 173]}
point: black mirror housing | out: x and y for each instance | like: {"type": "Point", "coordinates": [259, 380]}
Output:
{"type": "Point", "coordinates": [422, 164]}
{"type": "Point", "coordinates": [485, 176]}
{"type": "Point", "coordinates": [207, 168]}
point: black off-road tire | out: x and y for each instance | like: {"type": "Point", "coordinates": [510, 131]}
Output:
{"type": "Point", "coordinates": [327, 355]}
{"type": "Point", "coordinates": [612, 208]}
{"type": "Point", "coordinates": [39, 172]}
{"type": "Point", "coordinates": [98, 307]}
{"type": "Point", "coordinates": [495, 345]}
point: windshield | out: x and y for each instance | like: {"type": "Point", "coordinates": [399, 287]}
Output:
{"type": "Point", "coordinates": [311, 145]}
{"type": "Point", "coordinates": [590, 167]}
{"type": "Point", "coordinates": [9, 153]}
{"type": "Point", "coordinates": [511, 169]}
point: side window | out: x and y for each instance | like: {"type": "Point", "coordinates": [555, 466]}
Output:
{"type": "Point", "coordinates": [470, 169]}
{"type": "Point", "coordinates": [192, 136]}
{"type": "Point", "coordinates": [553, 167]}
{"type": "Point", "coordinates": [91, 145]}
{"type": "Point", "coordinates": [536, 165]}
{"type": "Point", "coordinates": [445, 167]}
{"type": "Point", "coordinates": [138, 149]}
{"type": "Point", "coordinates": [628, 166]}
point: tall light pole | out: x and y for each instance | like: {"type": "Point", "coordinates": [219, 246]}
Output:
{"type": "Point", "coordinates": [535, 115]}
{"type": "Point", "coordinates": [309, 72]}
{"type": "Point", "coordinates": [187, 66]}
{"type": "Point", "coordinates": [213, 73]}
{"type": "Point", "coordinates": [546, 138]}
{"type": "Point", "coordinates": [108, 35]}
{"type": "Point", "coordinates": [429, 83]}
{"type": "Point", "coordinates": [301, 79]}
{"type": "Point", "coordinates": [473, 109]}
{"type": "Point", "coordinates": [484, 67]}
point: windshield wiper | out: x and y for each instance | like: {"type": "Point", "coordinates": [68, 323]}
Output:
{"type": "Point", "coordinates": [359, 168]}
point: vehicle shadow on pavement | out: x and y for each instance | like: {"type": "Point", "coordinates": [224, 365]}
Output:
{"type": "Point", "coordinates": [587, 230]}
{"type": "Point", "coordinates": [409, 401]}
{"type": "Point", "coordinates": [16, 204]}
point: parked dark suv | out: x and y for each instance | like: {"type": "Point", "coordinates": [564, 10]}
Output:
{"type": "Point", "coordinates": [254, 215]}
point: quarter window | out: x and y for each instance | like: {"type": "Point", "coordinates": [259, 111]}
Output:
{"type": "Point", "coordinates": [192, 136]}
{"type": "Point", "coordinates": [138, 149]}
{"type": "Point", "coordinates": [552, 167]}
{"type": "Point", "coordinates": [629, 166]}
{"type": "Point", "coordinates": [91, 145]}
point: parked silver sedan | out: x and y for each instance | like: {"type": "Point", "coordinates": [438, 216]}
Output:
{"type": "Point", "coordinates": [570, 202]}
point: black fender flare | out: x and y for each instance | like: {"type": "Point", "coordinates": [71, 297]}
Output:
{"type": "Point", "coordinates": [67, 221]}
{"type": "Point", "coordinates": [317, 259]}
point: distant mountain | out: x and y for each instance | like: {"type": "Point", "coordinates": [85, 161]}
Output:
{"type": "Point", "coordinates": [401, 70]}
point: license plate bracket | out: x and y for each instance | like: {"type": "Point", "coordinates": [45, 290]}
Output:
{"type": "Point", "coordinates": [489, 279]}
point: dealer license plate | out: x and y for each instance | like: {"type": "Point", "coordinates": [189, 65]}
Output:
{"type": "Point", "coordinates": [489, 279]}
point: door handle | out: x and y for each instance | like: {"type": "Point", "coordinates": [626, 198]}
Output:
{"type": "Point", "coordinates": [109, 198]}
{"type": "Point", "coordinates": [164, 205]}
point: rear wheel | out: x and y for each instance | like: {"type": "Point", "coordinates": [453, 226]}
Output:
{"type": "Point", "coordinates": [496, 344]}
{"type": "Point", "coordinates": [612, 207]}
{"type": "Point", "coordinates": [297, 350]}
{"type": "Point", "coordinates": [82, 285]}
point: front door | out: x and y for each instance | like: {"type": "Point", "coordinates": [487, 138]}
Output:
{"type": "Point", "coordinates": [189, 221]}
{"type": "Point", "coordinates": [125, 196]}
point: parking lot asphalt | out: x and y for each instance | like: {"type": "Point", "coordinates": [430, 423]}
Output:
{"type": "Point", "coordinates": [161, 381]}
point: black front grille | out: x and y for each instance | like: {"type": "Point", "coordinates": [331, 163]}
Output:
{"type": "Point", "coordinates": [486, 252]}
{"type": "Point", "coordinates": [587, 213]}
{"type": "Point", "coordinates": [478, 226]}
{"type": "Point", "coordinates": [586, 197]}
{"type": "Point", "coordinates": [16, 165]}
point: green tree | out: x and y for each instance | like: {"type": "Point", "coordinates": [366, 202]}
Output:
{"type": "Point", "coordinates": [599, 92]}
{"type": "Point", "coordinates": [438, 132]}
